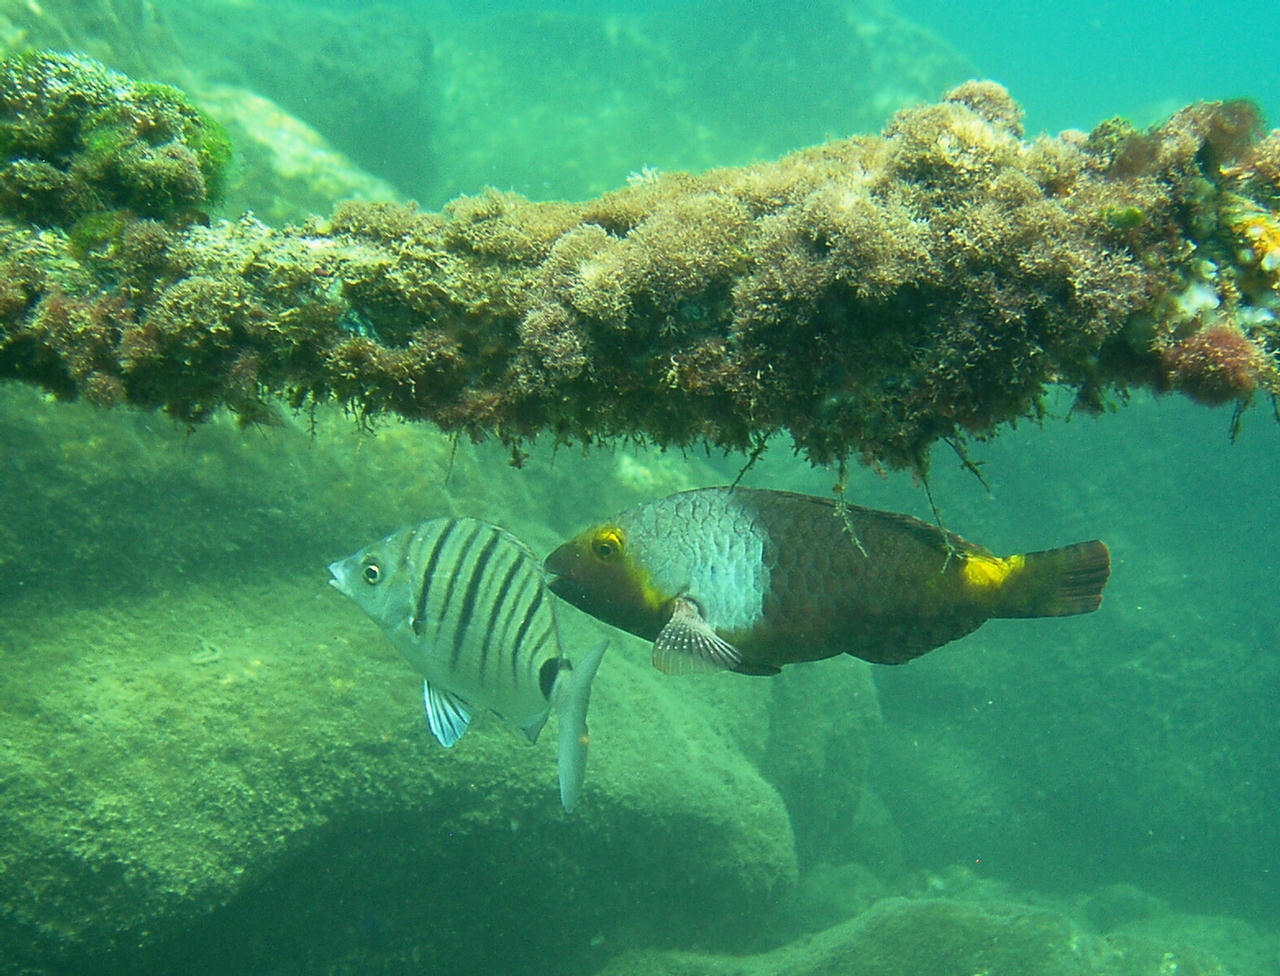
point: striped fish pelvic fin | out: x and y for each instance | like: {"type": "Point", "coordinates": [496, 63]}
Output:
{"type": "Point", "coordinates": [447, 714]}
{"type": "Point", "coordinates": [570, 696]}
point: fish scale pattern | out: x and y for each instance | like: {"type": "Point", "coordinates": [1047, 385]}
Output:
{"type": "Point", "coordinates": [710, 545]}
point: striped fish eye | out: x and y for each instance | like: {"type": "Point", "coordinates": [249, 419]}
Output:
{"type": "Point", "coordinates": [607, 544]}
{"type": "Point", "coordinates": [371, 573]}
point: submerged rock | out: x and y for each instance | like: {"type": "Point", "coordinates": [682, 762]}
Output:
{"type": "Point", "coordinates": [362, 75]}
{"type": "Point", "coordinates": [179, 769]}
{"type": "Point", "coordinates": [285, 169]}
{"type": "Point", "coordinates": [901, 935]}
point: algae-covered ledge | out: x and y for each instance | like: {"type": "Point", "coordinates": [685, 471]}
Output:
{"type": "Point", "coordinates": [868, 296]}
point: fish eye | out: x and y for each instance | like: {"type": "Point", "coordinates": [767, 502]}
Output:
{"type": "Point", "coordinates": [607, 544]}
{"type": "Point", "coordinates": [371, 574]}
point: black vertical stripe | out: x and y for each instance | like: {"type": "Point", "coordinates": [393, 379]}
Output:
{"type": "Point", "coordinates": [530, 581]}
{"type": "Point", "coordinates": [499, 603]}
{"type": "Point", "coordinates": [421, 612]}
{"type": "Point", "coordinates": [514, 603]}
{"type": "Point", "coordinates": [547, 634]}
{"type": "Point", "coordinates": [474, 579]}
{"type": "Point", "coordinates": [525, 624]}
{"type": "Point", "coordinates": [457, 564]}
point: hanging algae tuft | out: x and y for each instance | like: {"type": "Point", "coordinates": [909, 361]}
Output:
{"type": "Point", "coordinates": [868, 296]}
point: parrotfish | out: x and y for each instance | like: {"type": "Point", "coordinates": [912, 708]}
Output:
{"type": "Point", "coordinates": [467, 604]}
{"type": "Point", "coordinates": [751, 580]}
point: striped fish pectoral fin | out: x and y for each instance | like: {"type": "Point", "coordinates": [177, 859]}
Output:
{"type": "Point", "coordinates": [571, 696]}
{"type": "Point", "coordinates": [688, 645]}
{"type": "Point", "coordinates": [447, 714]}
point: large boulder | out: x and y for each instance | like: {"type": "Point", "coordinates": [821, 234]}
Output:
{"type": "Point", "coordinates": [563, 103]}
{"type": "Point", "coordinates": [185, 770]}
{"type": "Point", "coordinates": [362, 75]}
{"type": "Point", "coordinates": [939, 936]}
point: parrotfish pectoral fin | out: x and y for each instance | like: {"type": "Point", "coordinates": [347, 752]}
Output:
{"type": "Point", "coordinates": [571, 695]}
{"type": "Point", "coordinates": [447, 714]}
{"type": "Point", "coordinates": [688, 645]}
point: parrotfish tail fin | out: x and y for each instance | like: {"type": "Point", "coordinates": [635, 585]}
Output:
{"type": "Point", "coordinates": [571, 695]}
{"type": "Point", "coordinates": [1054, 582]}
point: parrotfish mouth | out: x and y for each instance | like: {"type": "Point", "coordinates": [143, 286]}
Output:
{"type": "Point", "coordinates": [567, 589]}
{"type": "Point", "coordinates": [558, 566]}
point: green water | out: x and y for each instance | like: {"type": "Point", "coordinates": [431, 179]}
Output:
{"type": "Point", "coordinates": [211, 763]}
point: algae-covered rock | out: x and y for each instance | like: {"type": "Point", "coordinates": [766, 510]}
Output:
{"type": "Point", "coordinates": [284, 169]}
{"type": "Point", "coordinates": [88, 149]}
{"type": "Point", "coordinates": [173, 764]}
{"type": "Point", "coordinates": [938, 938]}
{"type": "Point", "coordinates": [1114, 905]}
{"type": "Point", "coordinates": [1243, 949]}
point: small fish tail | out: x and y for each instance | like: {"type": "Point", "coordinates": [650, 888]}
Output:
{"type": "Point", "coordinates": [571, 696]}
{"type": "Point", "coordinates": [1055, 582]}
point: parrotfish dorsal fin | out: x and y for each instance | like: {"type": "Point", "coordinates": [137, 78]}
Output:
{"type": "Point", "coordinates": [447, 714]}
{"type": "Point", "coordinates": [688, 645]}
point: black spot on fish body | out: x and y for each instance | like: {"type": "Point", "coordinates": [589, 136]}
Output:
{"type": "Point", "coordinates": [548, 673]}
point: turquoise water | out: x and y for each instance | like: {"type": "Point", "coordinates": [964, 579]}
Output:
{"type": "Point", "coordinates": [213, 764]}
{"type": "Point", "coordinates": [1072, 64]}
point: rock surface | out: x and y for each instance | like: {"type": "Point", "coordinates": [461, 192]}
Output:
{"type": "Point", "coordinates": [937, 936]}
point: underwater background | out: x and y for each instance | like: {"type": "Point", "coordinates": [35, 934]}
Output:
{"type": "Point", "coordinates": [210, 762]}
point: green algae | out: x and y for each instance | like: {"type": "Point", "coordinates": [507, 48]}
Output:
{"type": "Point", "coordinates": [868, 296]}
{"type": "Point", "coordinates": [79, 140]}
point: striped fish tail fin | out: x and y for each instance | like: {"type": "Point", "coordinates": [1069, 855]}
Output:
{"type": "Point", "coordinates": [571, 696]}
{"type": "Point", "coordinates": [1054, 582]}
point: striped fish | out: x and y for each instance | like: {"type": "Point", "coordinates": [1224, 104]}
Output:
{"type": "Point", "coordinates": [467, 604]}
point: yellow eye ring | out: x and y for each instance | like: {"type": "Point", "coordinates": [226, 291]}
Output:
{"type": "Point", "coordinates": [607, 544]}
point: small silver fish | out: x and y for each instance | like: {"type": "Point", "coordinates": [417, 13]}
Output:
{"type": "Point", "coordinates": [467, 604]}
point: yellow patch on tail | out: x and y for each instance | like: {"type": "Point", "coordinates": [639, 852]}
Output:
{"type": "Point", "coordinates": [988, 573]}
{"type": "Point", "coordinates": [1052, 583]}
